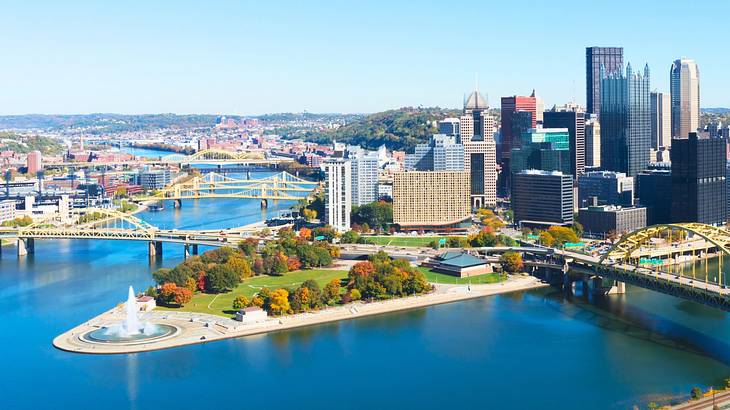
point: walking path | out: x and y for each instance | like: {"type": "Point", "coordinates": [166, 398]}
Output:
{"type": "Point", "coordinates": [201, 328]}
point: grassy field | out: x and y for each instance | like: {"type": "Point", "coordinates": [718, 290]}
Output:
{"type": "Point", "coordinates": [435, 277]}
{"type": "Point", "coordinates": [221, 304]}
{"type": "Point", "coordinates": [403, 240]}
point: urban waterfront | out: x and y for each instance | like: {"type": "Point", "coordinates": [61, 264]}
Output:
{"type": "Point", "coordinates": [526, 349]}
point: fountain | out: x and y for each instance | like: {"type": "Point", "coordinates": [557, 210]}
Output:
{"type": "Point", "coordinates": [131, 330]}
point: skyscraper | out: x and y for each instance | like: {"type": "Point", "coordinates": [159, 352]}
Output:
{"type": "Point", "coordinates": [661, 121]}
{"type": "Point", "coordinates": [612, 60]}
{"type": "Point", "coordinates": [684, 83]}
{"type": "Point", "coordinates": [365, 172]}
{"type": "Point", "coordinates": [511, 106]}
{"type": "Point", "coordinates": [698, 180]}
{"type": "Point", "coordinates": [480, 151]}
{"type": "Point", "coordinates": [545, 149]}
{"type": "Point", "coordinates": [625, 121]}
{"type": "Point", "coordinates": [574, 121]}
{"type": "Point", "coordinates": [593, 142]}
{"type": "Point", "coordinates": [441, 153]}
{"type": "Point", "coordinates": [338, 192]}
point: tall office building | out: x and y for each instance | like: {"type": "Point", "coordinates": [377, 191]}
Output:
{"type": "Point", "coordinates": [653, 187]}
{"type": "Point", "coordinates": [431, 200]}
{"type": "Point", "coordinates": [545, 149]}
{"type": "Point", "coordinates": [338, 192]}
{"type": "Point", "coordinates": [541, 198]}
{"type": "Point", "coordinates": [661, 121]}
{"type": "Point", "coordinates": [441, 153]}
{"type": "Point", "coordinates": [539, 107]}
{"type": "Point", "coordinates": [698, 180]}
{"type": "Point", "coordinates": [574, 121]}
{"type": "Point", "coordinates": [608, 187]}
{"type": "Point", "coordinates": [684, 83]}
{"type": "Point", "coordinates": [612, 61]}
{"type": "Point", "coordinates": [365, 169]}
{"type": "Point", "coordinates": [593, 142]}
{"type": "Point", "coordinates": [449, 126]}
{"type": "Point", "coordinates": [510, 107]}
{"type": "Point", "coordinates": [475, 120]}
{"type": "Point", "coordinates": [625, 121]}
{"type": "Point", "coordinates": [480, 151]}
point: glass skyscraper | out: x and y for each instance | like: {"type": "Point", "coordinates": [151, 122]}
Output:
{"type": "Point", "coordinates": [625, 121]}
{"type": "Point", "coordinates": [612, 60]}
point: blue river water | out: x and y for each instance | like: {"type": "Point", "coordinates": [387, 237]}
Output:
{"type": "Point", "coordinates": [536, 349]}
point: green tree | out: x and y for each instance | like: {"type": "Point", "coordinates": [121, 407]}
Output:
{"type": "Point", "coordinates": [221, 278]}
{"type": "Point", "coordinates": [350, 237]}
{"type": "Point", "coordinates": [696, 393]}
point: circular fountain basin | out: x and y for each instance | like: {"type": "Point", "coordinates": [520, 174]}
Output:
{"type": "Point", "coordinates": [102, 335]}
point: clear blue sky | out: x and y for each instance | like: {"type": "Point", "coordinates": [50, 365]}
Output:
{"type": "Point", "coordinates": [252, 57]}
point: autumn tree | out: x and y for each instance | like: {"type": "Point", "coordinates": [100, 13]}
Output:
{"type": "Point", "coordinates": [511, 262]}
{"type": "Point", "coordinates": [240, 302]}
{"type": "Point", "coordinates": [331, 292]}
{"type": "Point", "coordinates": [279, 302]}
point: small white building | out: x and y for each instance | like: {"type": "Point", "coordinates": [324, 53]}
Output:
{"type": "Point", "coordinates": [7, 210]}
{"type": "Point", "coordinates": [251, 314]}
{"type": "Point", "coordinates": [146, 303]}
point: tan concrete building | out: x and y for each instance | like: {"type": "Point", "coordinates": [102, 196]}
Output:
{"type": "Point", "coordinates": [684, 84]}
{"type": "Point", "coordinates": [480, 159]}
{"type": "Point", "coordinates": [431, 200]}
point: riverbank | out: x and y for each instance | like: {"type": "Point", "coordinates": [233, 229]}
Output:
{"type": "Point", "coordinates": [202, 328]}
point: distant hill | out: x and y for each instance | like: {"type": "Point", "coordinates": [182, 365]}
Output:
{"type": "Point", "coordinates": [718, 110]}
{"type": "Point", "coordinates": [106, 123]}
{"type": "Point", "coordinates": [399, 129]}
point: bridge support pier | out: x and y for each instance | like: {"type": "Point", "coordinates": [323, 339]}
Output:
{"type": "Point", "coordinates": [618, 288]}
{"type": "Point", "coordinates": [264, 203]}
{"type": "Point", "coordinates": [26, 246]}
{"type": "Point", "coordinates": [195, 248]}
{"type": "Point", "coordinates": [190, 249]}
{"type": "Point", "coordinates": [177, 203]}
{"type": "Point", "coordinates": [155, 248]}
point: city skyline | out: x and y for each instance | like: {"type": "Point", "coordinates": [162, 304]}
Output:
{"type": "Point", "coordinates": [241, 58]}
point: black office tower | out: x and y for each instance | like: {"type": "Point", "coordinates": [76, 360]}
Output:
{"type": "Point", "coordinates": [612, 59]}
{"type": "Point", "coordinates": [698, 180]}
{"type": "Point", "coordinates": [575, 122]}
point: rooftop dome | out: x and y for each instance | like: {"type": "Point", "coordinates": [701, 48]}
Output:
{"type": "Point", "coordinates": [476, 102]}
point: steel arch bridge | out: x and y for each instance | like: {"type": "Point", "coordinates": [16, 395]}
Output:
{"type": "Point", "coordinates": [207, 155]}
{"type": "Point", "coordinates": [115, 225]}
{"type": "Point", "coordinates": [281, 186]}
{"type": "Point", "coordinates": [628, 248]}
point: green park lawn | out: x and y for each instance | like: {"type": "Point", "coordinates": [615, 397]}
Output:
{"type": "Point", "coordinates": [222, 303]}
{"type": "Point", "coordinates": [435, 277]}
{"type": "Point", "coordinates": [403, 240]}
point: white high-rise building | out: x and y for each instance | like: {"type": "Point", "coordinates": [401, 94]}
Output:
{"type": "Point", "coordinates": [685, 89]}
{"type": "Point", "coordinates": [338, 193]}
{"type": "Point", "coordinates": [661, 121]}
{"type": "Point", "coordinates": [365, 169]}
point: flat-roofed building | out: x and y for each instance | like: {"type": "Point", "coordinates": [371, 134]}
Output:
{"type": "Point", "coordinates": [598, 221]}
{"type": "Point", "coordinates": [437, 200]}
{"type": "Point", "coordinates": [338, 193]}
{"type": "Point", "coordinates": [542, 198]}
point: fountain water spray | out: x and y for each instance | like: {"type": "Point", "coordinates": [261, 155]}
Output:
{"type": "Point", "coordinates": [131, 323]}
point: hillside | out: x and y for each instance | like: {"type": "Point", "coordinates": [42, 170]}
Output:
{"type": "Point", "coordinates": [27, 143]}
{"type": "Point", "coordinates": [398, 129]}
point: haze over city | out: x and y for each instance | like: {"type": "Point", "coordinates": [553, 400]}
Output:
{"type": "Point", "coordinates": [251, 57]}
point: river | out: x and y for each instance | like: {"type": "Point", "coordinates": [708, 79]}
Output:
{"type": "Point", "coordinates": [524, 350]}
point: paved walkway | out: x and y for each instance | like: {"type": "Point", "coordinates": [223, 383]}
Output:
{"type": "Point", "coordinates": [201, 328]}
